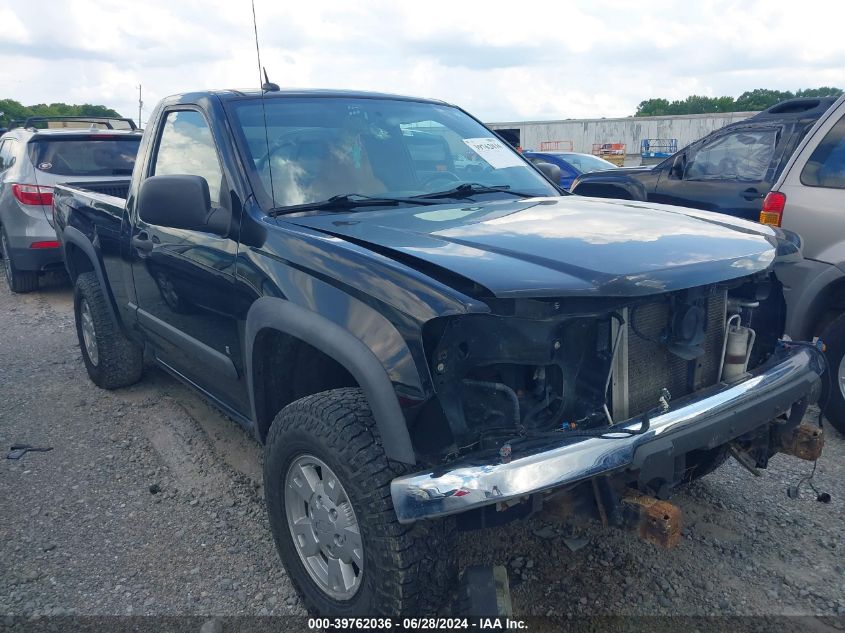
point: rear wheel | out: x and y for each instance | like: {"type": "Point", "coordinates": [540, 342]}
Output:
{"type": "Point", "coordinates": [112, 360]}
{"type": "Point", "coordinates": [327, 484]}
{"type": "Point", "coordinates": [833, 393]}
{"type": "Point", "coordinates": [18, 280]}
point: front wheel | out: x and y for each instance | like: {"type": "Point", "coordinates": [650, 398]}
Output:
{"type": "Point", "coordinates": [833, 394]}
{"type": "Point", "coordinates": [327, 484]}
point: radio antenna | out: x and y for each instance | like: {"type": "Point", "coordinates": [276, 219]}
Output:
{"type": "Point", "coordinates": [264, 88]}
{"type": "Point", "coordinates": [268, 85]}
{"type": "Point", "coordinates": [257, 49]}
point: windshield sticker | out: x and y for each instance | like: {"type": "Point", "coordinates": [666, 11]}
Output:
{"type": "Point", "coordinates": [494, 152]}
{"type": "Point", "coordinates": [445, 215]}
{"type": "Point", "coordinates": [45, 166]}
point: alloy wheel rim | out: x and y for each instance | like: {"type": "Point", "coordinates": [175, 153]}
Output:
{"type": "Point", "coordinates": [324, 528]}
{"type": "Point", "coordinates": [89, 335]}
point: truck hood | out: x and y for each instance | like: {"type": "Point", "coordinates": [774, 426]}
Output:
{"type": "Point", "coordinates": [567, 246]}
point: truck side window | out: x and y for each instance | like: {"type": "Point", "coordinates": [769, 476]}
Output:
{"type": "Point", "coordinates": [187, 147]}
{"type": "Point", "coordinates": [826, 167]}
{"type": "Point", "coordinates": [742, 155]}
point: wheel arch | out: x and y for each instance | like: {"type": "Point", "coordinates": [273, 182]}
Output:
{"type": "Point", "coordinates": [271, 316]}
{"type": "Point", "coordinates": [80, 257]}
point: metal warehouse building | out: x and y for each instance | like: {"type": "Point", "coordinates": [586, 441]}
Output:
{"type": "Point", "coordinates": [580, 135]}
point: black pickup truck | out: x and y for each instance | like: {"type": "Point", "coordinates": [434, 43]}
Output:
{"type": "Point", "coordinates": [417, 324]}
{"type": "Point", "coordinates": [729, 171]}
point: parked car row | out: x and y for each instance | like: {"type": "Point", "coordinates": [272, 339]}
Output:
{"type": "Point", "coordinates": [730, 170]}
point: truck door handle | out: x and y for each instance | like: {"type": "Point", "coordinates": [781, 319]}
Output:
{"type": "Point", "coordinates": [142, 242]}
{"type": "Point", "coordinates": [751, 194]}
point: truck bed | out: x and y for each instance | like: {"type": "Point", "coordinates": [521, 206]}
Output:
{"type": "Point", "coordinates": [112, 188]}
{"type": "Point", "coordinates": [98, 202]}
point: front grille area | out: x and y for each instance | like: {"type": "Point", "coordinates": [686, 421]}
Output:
{"type": "Point", "coordinates": [651, 366]}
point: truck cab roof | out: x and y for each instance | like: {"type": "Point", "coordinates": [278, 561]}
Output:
{"type": "Point", "coordinates": [230, 94]}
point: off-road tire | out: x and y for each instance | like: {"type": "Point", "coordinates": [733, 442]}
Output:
{"type": "Point", "coordinates": [120, 361]}
{"type": "Point", "coordinates": [19, 281]}
{"type": "Point", "coordinates": [408, 569]}
{"type": "Point", "coordinates": [832, 400]}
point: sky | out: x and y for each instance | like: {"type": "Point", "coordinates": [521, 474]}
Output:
{"type": "Point", "coordinates": [502, 61]}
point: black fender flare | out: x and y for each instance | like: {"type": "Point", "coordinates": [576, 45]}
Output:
{"type": "Point", "coordinates": [72, 235]}
{"type": "Point", "coordinates": [331, 339]}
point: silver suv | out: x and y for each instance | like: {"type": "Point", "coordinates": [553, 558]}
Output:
{"type": "Point", "coordinates": [809, 198]}
{"type": "Point", "coordinates": [32, 161]}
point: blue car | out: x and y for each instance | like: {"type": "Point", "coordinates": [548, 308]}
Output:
{"type": "Point", "coordinates": [572, 164]}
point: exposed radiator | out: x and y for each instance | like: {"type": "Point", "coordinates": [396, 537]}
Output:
{"type": "Point", "coordinates": [651, 367]}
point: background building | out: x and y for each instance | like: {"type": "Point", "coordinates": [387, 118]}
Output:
{"type": "Point", "coordinates": [581, 135]}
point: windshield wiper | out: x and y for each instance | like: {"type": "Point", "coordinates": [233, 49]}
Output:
{"type": "Point", "coordinates": [468, 189]}
{"type": "Point", "coordinates": [345, 202]}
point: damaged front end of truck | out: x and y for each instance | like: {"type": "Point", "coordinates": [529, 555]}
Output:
{"type": "Point", "coordinates": [611, 350]}
{"type": "Point", "coordinates": [608, 403]}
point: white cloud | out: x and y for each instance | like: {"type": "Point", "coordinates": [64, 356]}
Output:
{"type": "Point", "coordinates": [13, 30]}
{"type": "Point", "coordinates": [500, 60]}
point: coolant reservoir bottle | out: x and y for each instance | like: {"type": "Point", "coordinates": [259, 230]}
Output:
{"type": "Point", "coordinates": [736, 352]}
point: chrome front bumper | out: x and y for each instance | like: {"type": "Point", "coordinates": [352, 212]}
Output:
{"type": "Point", "coordinates": [708, 418]}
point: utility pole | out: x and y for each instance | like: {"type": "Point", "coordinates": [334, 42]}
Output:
{"type": "Point", "coordinates": [140, 105]}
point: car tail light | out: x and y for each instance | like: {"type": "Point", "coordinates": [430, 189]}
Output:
{"type": "Point", "coordinates": [772, 211]}
{"type": "Point", "coordinates": [33, 194]}
{"type": "Point", "coordinates": [46, 244]}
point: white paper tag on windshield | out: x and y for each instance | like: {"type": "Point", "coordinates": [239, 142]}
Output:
{"type": "Point", "coordinates": [494, 152]}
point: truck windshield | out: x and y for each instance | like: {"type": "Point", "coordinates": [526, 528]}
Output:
{"type": "Point", "coordinates": [313, 149]}
{"type": "Point", "coordinates": [87, 156]}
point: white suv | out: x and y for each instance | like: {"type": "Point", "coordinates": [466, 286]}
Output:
{"type": "Point", "coordinates": [34, 157]}
{"type": "Point", "coordinates": [809, 199]}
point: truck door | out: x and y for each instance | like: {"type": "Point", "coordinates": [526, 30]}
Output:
{"type": "Point", "coordinates": [184, 279]}
{"type": "Point", "coordinates": [729, 173]}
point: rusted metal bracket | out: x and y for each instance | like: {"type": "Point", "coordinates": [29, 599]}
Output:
{"type": "Point", "coordinates": [745, 459]}
{"type": "Point", "coordinates": [658, 522]}
{"type": "Point", "coordinates": [805, 442]}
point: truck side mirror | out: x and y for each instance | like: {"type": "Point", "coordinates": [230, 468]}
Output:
{"type": "Point", "coordinates": [180, 202]}
{"type": "Point", "coordinates": [550, 171]}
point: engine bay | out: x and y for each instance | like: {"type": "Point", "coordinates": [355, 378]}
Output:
{"type": "Point", "coordinates": [542, 367]}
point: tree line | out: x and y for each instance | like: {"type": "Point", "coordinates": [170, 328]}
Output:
{"type": "Point", "coordinates": [15, 111]}
{"type": "Point", "coordinates": [749, 101]}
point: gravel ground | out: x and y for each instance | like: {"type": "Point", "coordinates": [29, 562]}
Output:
{"type": "Point", "coordinates": [150, 503]}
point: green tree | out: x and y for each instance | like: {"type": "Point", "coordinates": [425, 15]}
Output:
{"type": "Point", "coordinates": [757, 99]}
{"type": "Point", "coordinates": [653, 107]}
{"type": "Point", "coordinates": [824, 91]}
{"type": "Point", "coordinates": [760, 99]}
{"type": "Point", "coordinates": [14, 111]}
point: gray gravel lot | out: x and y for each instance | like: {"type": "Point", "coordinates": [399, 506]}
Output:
{"type": "Point", "coordinates": [82, 533]}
